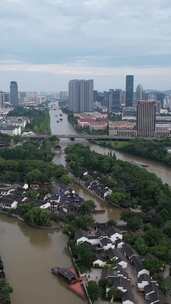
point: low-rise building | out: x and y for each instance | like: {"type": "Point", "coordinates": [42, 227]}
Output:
{"type": "Point", "coordinates": [17, 121]}
{"type": "Point", "coordinates": [122, 128]}
{"type": "Point", "coordinates": [10, 130]}
{"type": "Point", "coordinates": [93, 121]}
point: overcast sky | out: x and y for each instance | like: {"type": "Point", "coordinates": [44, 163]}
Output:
{"type": "Point", "coordinates": [44, 43]}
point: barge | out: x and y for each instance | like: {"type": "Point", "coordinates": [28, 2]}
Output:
{"type": "Point", "coordinates": [74, 283]}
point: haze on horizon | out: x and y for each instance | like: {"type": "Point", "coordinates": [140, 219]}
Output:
{"type": "Point", "coordinates": [44, 43]}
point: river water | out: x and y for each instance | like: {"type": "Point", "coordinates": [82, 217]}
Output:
{"type": "Point", "coordinates": [29, 253]}
{"type": "Point", "coordinates": [65, 127]}
{"type": "Point", "coordinates": [28, 256]}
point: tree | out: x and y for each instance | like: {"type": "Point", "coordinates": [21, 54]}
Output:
{"type": "Point", "coordinates": [34, 176]}
{"type": "Point", "coordinates": [167, 228]}
{"type": "Point", "coordinates": [166, 286]}
{"type": "Point", "coordinates": [85, 256]}
{"type": "Point", "coordinates": [115, 294]}
{"type": "Point", "coordinates": [35, 215]}
{"type": "Point", "coordinates": [153, 264]}
{"type": "Point", "coordinates": [153, 236]}
{"type": "Point", "coordinates": [65, 179]}
{"type": "Point", "coordinates": [93, 291]}
{"type": "Point", "coordinates": [83, 222]}
{"type": "Point", "coordinates": [118, 197]}
{"type": "Point", "coordinates": [87, 207]}
{"type": "Point", "coordinates": [140, 246]}
{"type": "Point", "coordinates": [5, 291]}
{"type": "Point", "coordinates": [134, 223]}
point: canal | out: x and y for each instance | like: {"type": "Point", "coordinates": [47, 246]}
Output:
{"type": "Point", "coordinates": [64, 127]}
{"type": "Point", "coordinates": [29, 254]}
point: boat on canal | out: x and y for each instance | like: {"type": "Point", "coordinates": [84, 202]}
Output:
{"type": "Point", "coordinates": [74, 282]}
{"type": "Point", "coordinates": [67, 274]}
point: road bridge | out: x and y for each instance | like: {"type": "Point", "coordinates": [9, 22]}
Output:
{"type": "Point", "coordinates": [86, 137]}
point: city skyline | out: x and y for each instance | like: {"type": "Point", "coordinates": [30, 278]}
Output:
{"type": "Point", "coordinates": [85, 39]}
{"type": "Point", "coordinates": [136, 85]}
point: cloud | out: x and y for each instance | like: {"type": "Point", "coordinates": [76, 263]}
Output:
{"type": "Point", "coordinates": [56, 76]}
{"type": "Point", "coordinates": [79, 71]}
{"type": "Point", "coordinates": [102, 34]}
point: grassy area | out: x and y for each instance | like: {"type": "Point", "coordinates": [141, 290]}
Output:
{"type": "Point", "coordinates": [117, 145]}
{"type": "Point", "coordinates": [40, 123]}
{"type": "Point", "coordinates": [39, 119]}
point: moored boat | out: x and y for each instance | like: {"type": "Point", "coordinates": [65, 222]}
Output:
{"type": "Point", "coordinates": [74, 283]}
{"type": "Point", "coordinates": [65, 273]}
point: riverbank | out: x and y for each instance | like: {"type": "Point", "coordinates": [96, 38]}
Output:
{"type": "Point", "coordinates": [161, 171]}
{"type": "Point", "coordinates": [155, 150]}
{"type": "Point", "coordinates": [5, 289]}
{"type": "Point", "coordinates": [93, 194]}
{"type": "Point", "coordinates": [52, 227]}
{"type": "Point", "coordinates": [78, 218]}
{"type": "Point", "coordinates": [148, 231]}
{"type": "Point", "coordinates": [30, 253]}
{"type": "Point", "coordinates": [28, 256]}
{"type": "Point", "coordinates": [26, 162]}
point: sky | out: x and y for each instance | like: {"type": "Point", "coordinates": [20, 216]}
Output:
{"type": "Point", "coordinates": [45, 43]}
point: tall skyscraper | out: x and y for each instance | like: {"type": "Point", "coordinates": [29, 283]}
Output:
{"type": "Point", "coordinates": [14, 93]}
{"type": "Point", "coordinates": [4, 98]}
{"type": "Point", "coordinates": [74, 96]}
{"type": "Point", "coordinates": [1, 99]}
{"type": "Point", "coordinates": [139, 92]}
{"type": "Point", "coordinates": [81, 95]}
{"type": "Point", "coordinates": [115, 97]}
{"type": "Point", "coordinates": [146, 118]}
{"type": "Point", "coordinates": [129, 90]}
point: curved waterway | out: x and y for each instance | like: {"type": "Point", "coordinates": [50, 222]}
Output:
{"type": "Point", "coordinates": [64, 127]}
{"type": "Point", "coordinates": [29, 253]}
{"type": "Point", "coordinates": [28, 256]}
{"type": "Point", "coordinates": [162, 171]}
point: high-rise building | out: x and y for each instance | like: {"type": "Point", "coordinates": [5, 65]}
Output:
{"type": "Point", "coordinates": [115, 97]}
{"type": "Point", "coordinates": [105, 102]}
{"type": "Point", "coordinates": [146, 118]}
{"type": "Point", "coordinates": [1, 99]}
{"type": "Point", "coordinates": [155, 95]}
{"type": "Point", "coordinates": [4, 98]}
{"type": "Point", "coordinates": [14, 93]}
{"type": "Point", "coordinates": [139, 93]}
{"type": "Point", "coordinates": [63, 95]}
{"type": "Point", "coordinates": [22, 96]}
{"type": "Point", "coordinates": [74, 96]}
{"type": "Point", "coordinates": [129, 90]}
{"type": "Point", "coordinates": [81, 95]}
